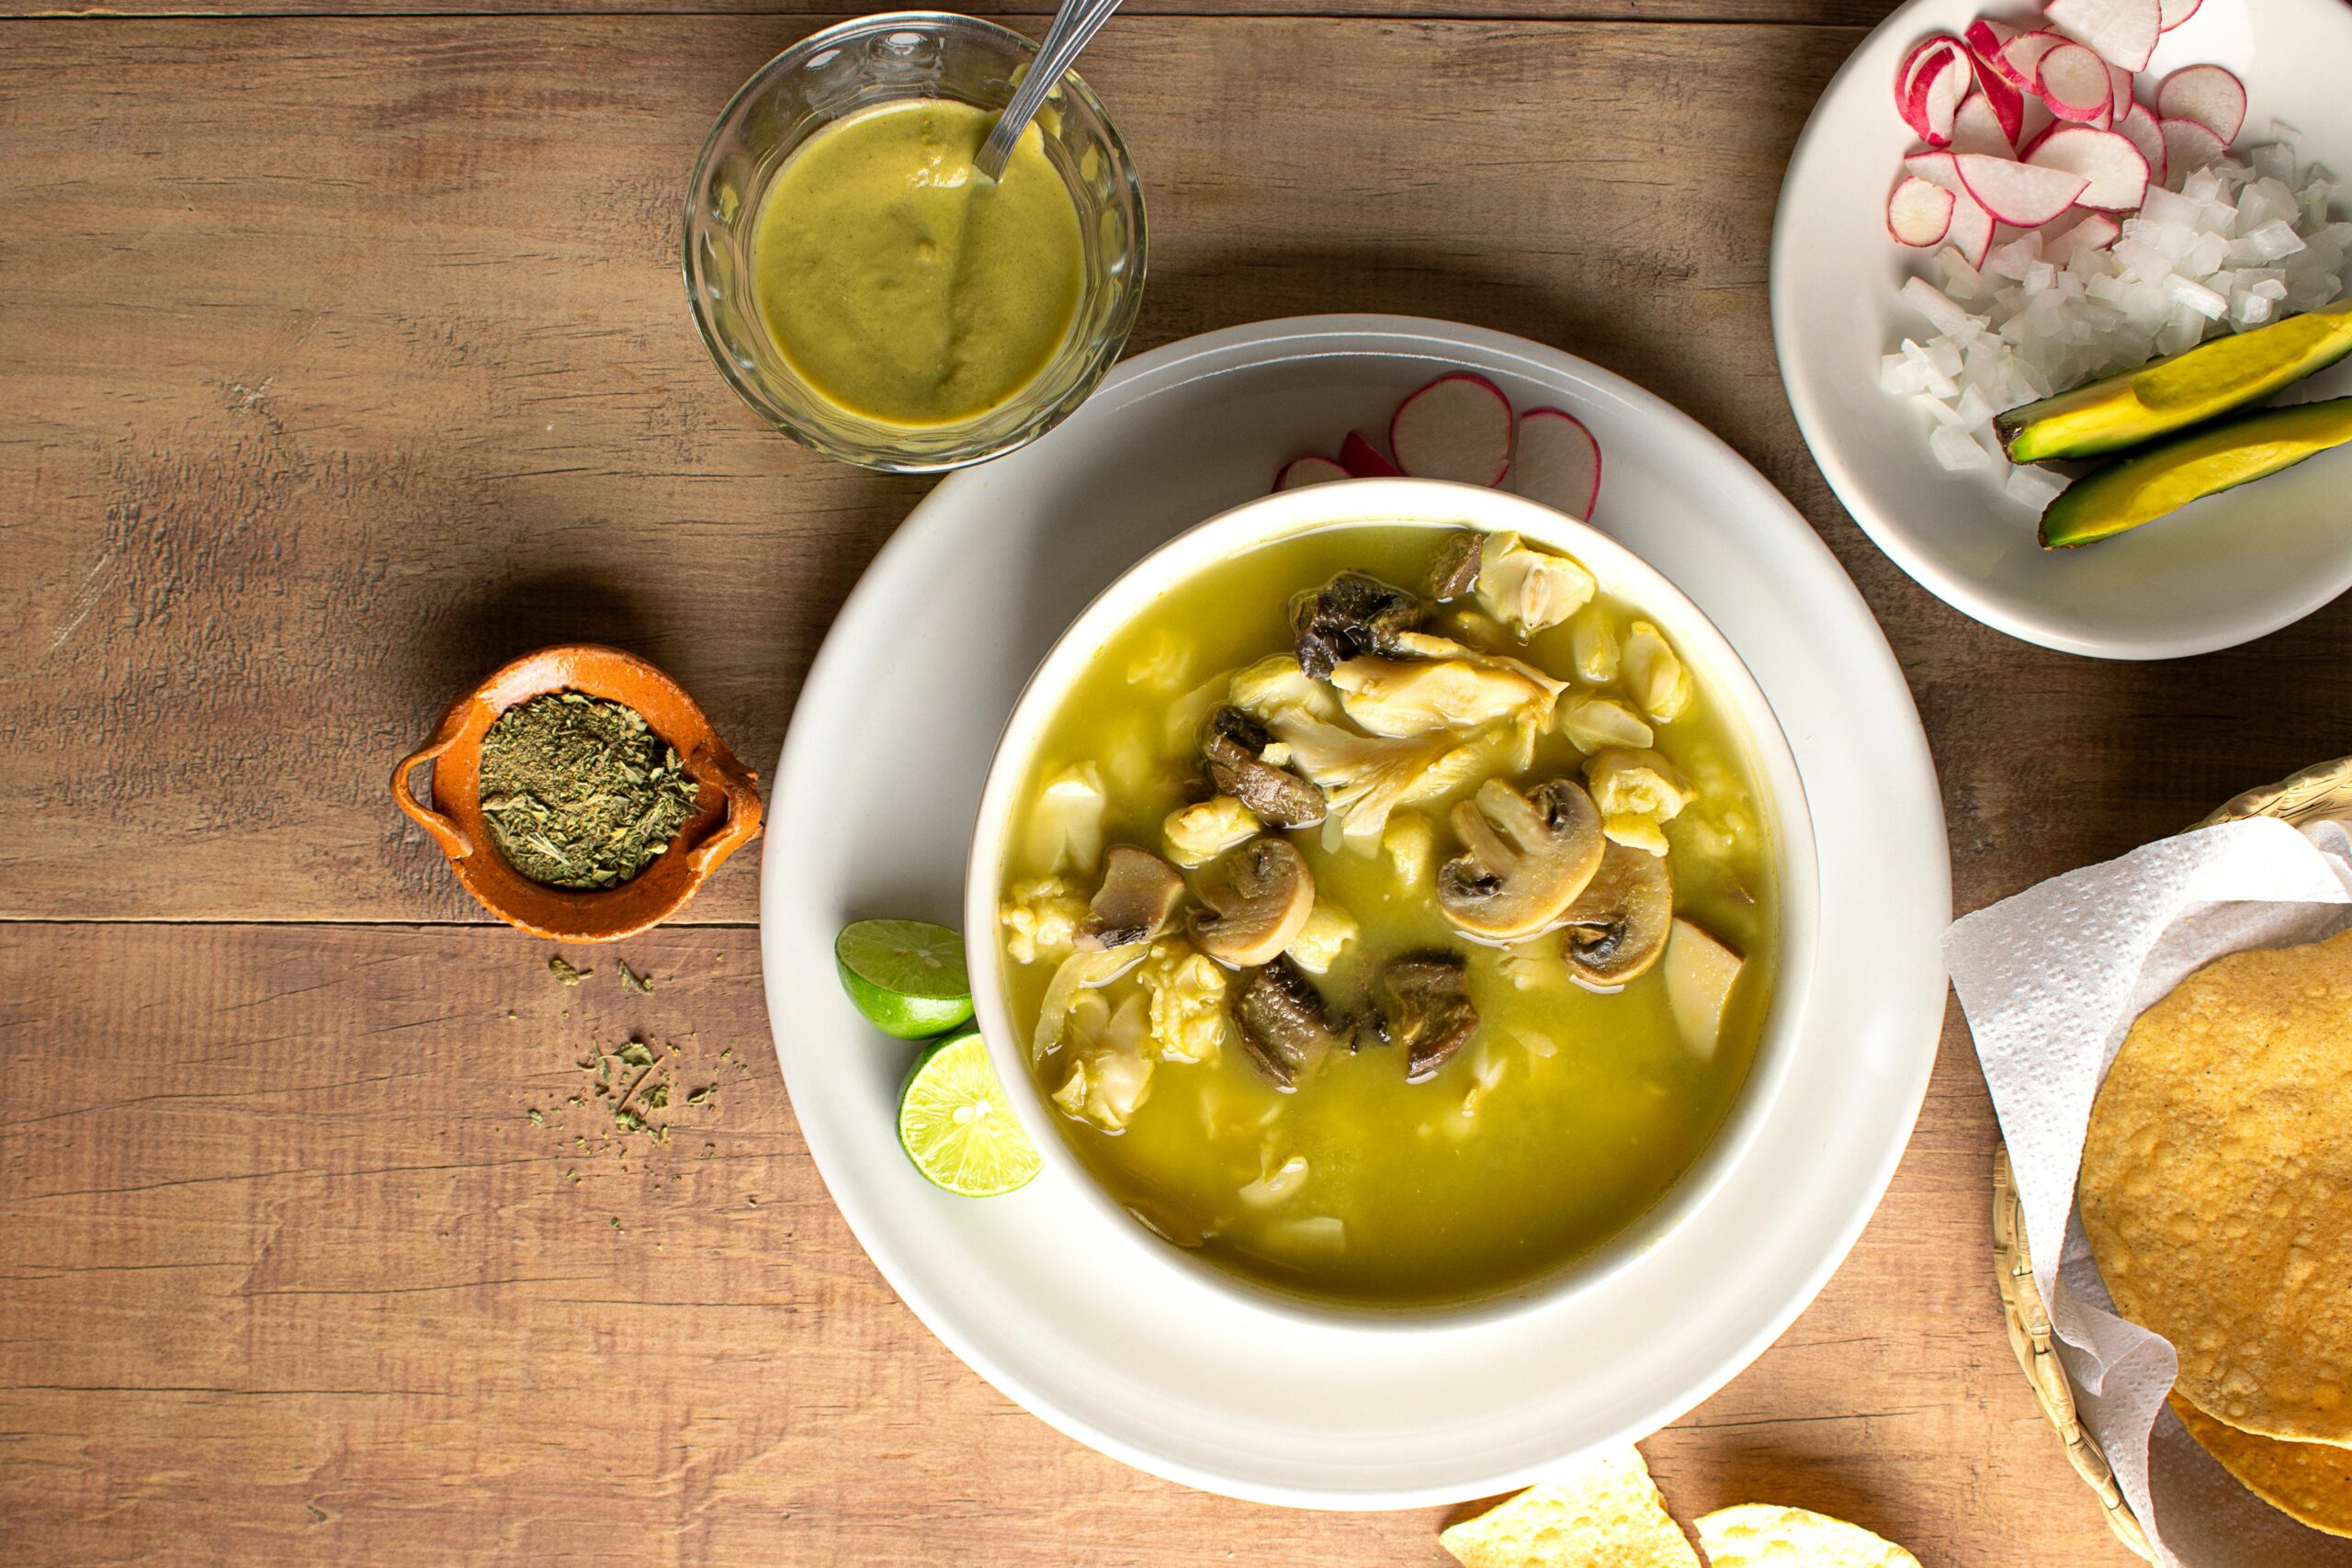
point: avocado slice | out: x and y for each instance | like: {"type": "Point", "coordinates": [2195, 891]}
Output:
{"type": "Point", "coordinates": [2222, 455]}
{"type": "Point", "coordinates": [2211, 379]}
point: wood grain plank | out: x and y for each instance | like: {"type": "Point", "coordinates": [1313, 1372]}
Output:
{"type": "Point", "coordinates": [291, 1275]}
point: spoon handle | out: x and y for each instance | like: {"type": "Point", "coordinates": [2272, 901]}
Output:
{"type": "Point", "coordinates": [1073, 26]}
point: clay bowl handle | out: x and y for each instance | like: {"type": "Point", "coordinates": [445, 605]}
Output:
{"type": "Point", "coordinates": [446, 833]}
{"type": "Point", "coordinates": [742, 823]}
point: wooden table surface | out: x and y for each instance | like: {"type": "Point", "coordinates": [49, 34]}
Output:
{"type": "Point", "coordinates": [342, 354]}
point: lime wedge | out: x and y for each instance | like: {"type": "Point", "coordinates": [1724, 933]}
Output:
{"type": "Point", "coordinates": [906, 977]}
{"type": "Point", "coordinates": [955, 1124]}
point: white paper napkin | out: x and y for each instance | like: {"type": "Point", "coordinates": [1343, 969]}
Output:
{"type": "Point", "coordinates": [2052, 981]}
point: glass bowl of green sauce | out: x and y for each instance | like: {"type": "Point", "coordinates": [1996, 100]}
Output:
{"type": "Point", "coordinates": [870, 294]}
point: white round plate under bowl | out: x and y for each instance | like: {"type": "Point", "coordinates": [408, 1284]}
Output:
{"type": "Point", "coordinates": [874, 802]}
{"type": "Point", "coordinates": [2226, 570]}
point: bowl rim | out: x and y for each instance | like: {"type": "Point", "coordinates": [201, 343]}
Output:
{"type": "Point", "coordinates": [726, 813]}
{"type": "Point", "coordinates": [1105, 354]}
{"type": "Point", "coordinates": [1433, 504]}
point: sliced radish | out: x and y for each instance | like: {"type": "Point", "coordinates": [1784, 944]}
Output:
{"type": "Point", "coordinates": [1941, 169]}
{"type": "Point", "coordinates": [2121, 30]}
{"type": "Point", "coordinates": [1972, 230]}
{"type": "Point", "coordinates": [1999, 99]}
{"type": "Point", "coordinates": [1458, 427]}
{"type": "Point", "coordinates": [1918, 214]}
{"type": "Point", "coordinates": [2175, 12]}
{"type": "Point", "coordinates": [1943, 81]}
{"type": "Point", "coordinates": [1558, 462]}
{"type": "Point", "coordinates": [1977, 127]}
{"type": "Point", "coordinates": [2026, 194]}
{"type": "Point", "coordinates": [2021, 59]}
{"type": "Point", "coordinates": [2140, 126]}
{"type": "Point", "coordinates": [1300, 472]}
{"type": "Point", "coordinates": [1986, 38]}
{"type": "Point", "coordinates": [2074, 84]}
{"type": "Point", "coordinates": [2096, 232]}
{"type": "Point", "coordinates": [2208, 95]}
{"type": "Point", "coordinates": [1363, 460]}
{"type": "Point", "coordinates": [2122, 85]}
{"type": "Point", "coordinates": [2114, 167]}
{"type": "Point", "coordinates": [1911, 75]}
{"type": "Point", "coordinates": [2189, 146]}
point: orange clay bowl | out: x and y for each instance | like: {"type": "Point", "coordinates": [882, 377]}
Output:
{"type": "Point", "coordinates": [727, 810]}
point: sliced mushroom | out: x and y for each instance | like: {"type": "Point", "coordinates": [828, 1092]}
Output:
{"type": "Point", "coordinates": [1618, 925]}
{"type": "Point", "coordinates": [1354, 613]}
{"type": "Point", "coordinates": [1284, 1026]}
{"type": "Point", "coordinates": [1524, 860]}
{"type": "Point", "coordinates": [1235, 744]}
{"type": "Point", "coordinates": [1456, 571]}
{"type": "Point", "coordinates": [1258, 897]}
{"type": "Point", "coordinates": [1137, 897]}
{"type": "Point", "coordinates": [1425, 1006]}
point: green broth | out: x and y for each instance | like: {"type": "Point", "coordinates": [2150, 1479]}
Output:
{"type": "Point", "coordinates": [1588, 1107]}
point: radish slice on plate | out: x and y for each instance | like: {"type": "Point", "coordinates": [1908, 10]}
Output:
{"type": "Point", "coordinates": [2189, 146]}
{"type": "Point", "coordinates": [1986, 39]}
{"type": "Point", "coordinates": [2120, 84]}
{"type": "Point", "coordinates": [1977, 127]}
{"type": "Point", "coordinates": [2075, 85]}
{"type": "Point", "coordinates": [2021, 59]}
{"type": "Point", "coordinates": [1911, 77]}
{"type": "Point", "coordinates": [1918, 214]}
{"type": "Point", "coordinates": [1996, 100]}
{"type": "Point", "coordinates": [1943, 80]}
{"type": "Point", "coordinates": [1972, 230]}
{"type": "Point", "coordinates": [2208, 95]}
{"type": "Point", "coordinates": [1362, 460]}
{"type": "Point", "coordinates": [1559, 462]}
{"type": "Point", "coordinates": [2066, 237]}
{"type": "Point", "coordinates": [2175, 12]}
{"type": "Point", "coordinates": [2116, 172]}
{"type": "Point", "coordinates": [2026, 194]}
{"type": "Point", "coordinates": [2139, 126]}
{"type": "Point", "coordinates": [1300, 472]}
{"type": "Point", "coordinates": [2121, 30]}
{"type": "Point", "coordinates": [1458, 427]}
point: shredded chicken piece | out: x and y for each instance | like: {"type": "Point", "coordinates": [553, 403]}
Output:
{"type": "Point", "coordinates": [1110, 1071]}
{"type": "Point", "coordinates": [1595, 724]}
{"type": "Point", "coordinates": [1592, 645]}
{"type": "Point", "coordinates": [1367, 777]}
{"type": "Point", "coordinates": [1276, 688]}
{"type": "Point", "coordinates": [1638, 792]}
{"type": "Point", "coordinates": [1411, 845]}
{"type": "Point", "coordinates": [1530, 589]}
{"type": "Point", "coordinates": [1198, 834]}
{"type": "Point", "coordinates": [1187, 1009]}
{"type": "Point", "coordinates": [1081, 974]}
{"type": "Point", "coordinates": [1399, 698]}
{"type": "Point", "coordinates": [1065, 825]}
{"type": "Point", "coordinates": [1322, 938]}
{"type": "Point", "coordinates": [1656, 674]}
{"type": "Point", "coordinates": [1041, 919]}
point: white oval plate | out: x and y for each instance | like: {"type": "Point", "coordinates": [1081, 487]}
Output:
{"type": "Point", "coordinates": [2229, 570]}
{"type": "Point", "coordinates": [875, 801]}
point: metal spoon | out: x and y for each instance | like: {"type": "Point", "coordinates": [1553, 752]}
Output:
{"type": "Point", "coordinates": [1074, 27]}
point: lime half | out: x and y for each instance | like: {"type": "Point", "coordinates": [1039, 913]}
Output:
{"type": "Point", "coordinates": [906, 977]}
{"type": "Point", "coordinates": [955, 1124]}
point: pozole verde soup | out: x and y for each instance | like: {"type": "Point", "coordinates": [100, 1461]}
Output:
{"type": "Point", "coordinates": [1390, 914]}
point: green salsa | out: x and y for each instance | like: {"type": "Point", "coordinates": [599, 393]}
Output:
{"type": "Point", "coordinates": [1564, 1114]}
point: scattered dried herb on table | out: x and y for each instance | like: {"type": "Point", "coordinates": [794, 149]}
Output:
{"type": "Point", "coordinates": [578, 792]}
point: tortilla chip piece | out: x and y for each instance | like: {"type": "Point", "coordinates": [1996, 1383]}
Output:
{"type": "Point", "coordinates": [2307, 1482]}
{"type": "Point", "coordinates": [1758, 1535]}
{"type": "Point", "coordinates": [1604, 1514]}
{"type": "Point", "coordinates": [2213, 1186]}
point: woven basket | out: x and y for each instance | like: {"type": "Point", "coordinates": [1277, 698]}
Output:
{"type": "Point", "coordinates": [2323, 791]}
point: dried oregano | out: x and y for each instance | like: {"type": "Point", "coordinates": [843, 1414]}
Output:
{"type": "Point", "coordinates": [578, 792]}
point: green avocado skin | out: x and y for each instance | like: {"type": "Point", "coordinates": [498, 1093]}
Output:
{"type": "Point", "coordinates": [2214, 457]}
{"type": "Point", "coordinates": [2233, 371]}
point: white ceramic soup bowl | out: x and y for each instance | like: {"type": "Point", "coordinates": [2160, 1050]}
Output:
{"type": "Point", "coordinates": [1126, 1243]}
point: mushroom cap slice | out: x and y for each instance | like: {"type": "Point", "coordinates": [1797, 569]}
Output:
{"type": "Point", "coordinates": [1354, 613]}
{"type": "Point", "coordinates": [1137, 897]}
{"type": "Point", "coordinates": [1425, 1004]}
{"type": "Point", "coordinates": [1234, 742]}
{"type": "Point", "coordinates": [1284, 1025]}
{"type": "Point", "coordinates": [1618, 926]}
{"type": "Point", "coordinates": [1258, 897]}
{"type": "Point", "coordinates": [1525, 859]}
